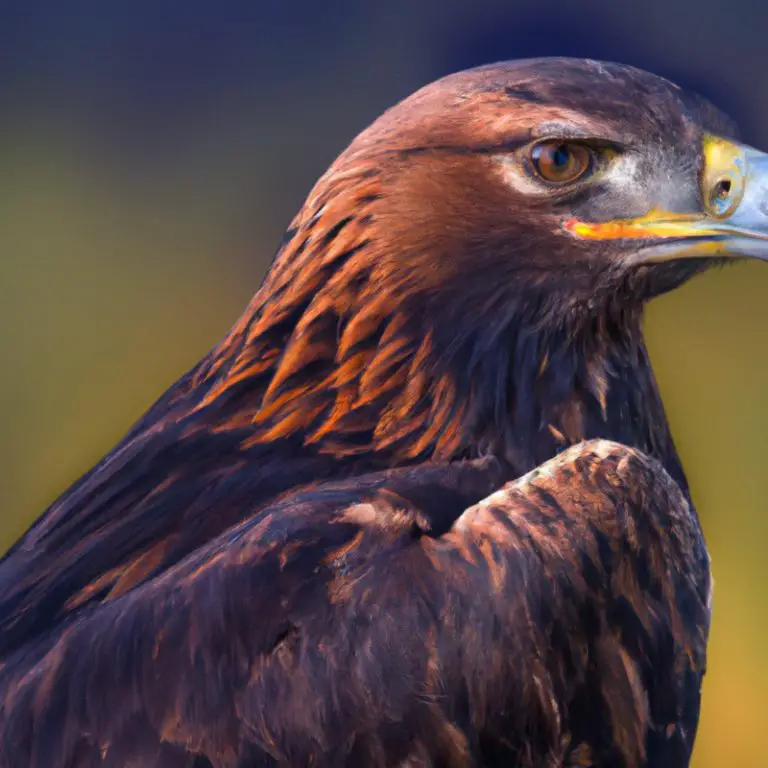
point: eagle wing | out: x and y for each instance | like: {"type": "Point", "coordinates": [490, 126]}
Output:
{"type": "Point", "coordinates": [378, 621]}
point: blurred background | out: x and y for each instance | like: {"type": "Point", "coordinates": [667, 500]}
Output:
{"type": "Point", "coordinates": [152, 154]}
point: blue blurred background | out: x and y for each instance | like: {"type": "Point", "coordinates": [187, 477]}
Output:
{"type": "Point", "coordinates": [152, 153]}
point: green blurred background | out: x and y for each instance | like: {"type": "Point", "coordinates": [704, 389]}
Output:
{"type": "Point", "coordinates": [151, 154]}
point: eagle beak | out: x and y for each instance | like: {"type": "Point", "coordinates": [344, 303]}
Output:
{"type": "Point", "coordinates": [734, 189]}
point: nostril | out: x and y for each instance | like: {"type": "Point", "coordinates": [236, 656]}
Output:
{"type": "Point", "coordinates": [723, 197]}
{"type": "Point", "coordinates": [722, 189]}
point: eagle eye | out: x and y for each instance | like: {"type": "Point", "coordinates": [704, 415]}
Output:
{"type": "Point", "coordinates": [561, 162]}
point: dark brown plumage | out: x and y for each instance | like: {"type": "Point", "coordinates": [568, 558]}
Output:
{"type": "Point", "coordinates": [336, 628]}
{"type": "Point", "coordinates": [301, 553]}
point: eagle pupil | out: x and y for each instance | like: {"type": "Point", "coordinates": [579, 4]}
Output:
{"type": "Point", "coordinates": [561, 156]}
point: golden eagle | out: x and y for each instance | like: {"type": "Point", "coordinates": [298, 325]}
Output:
{"type": "Point", "coordinates": [421, 506]}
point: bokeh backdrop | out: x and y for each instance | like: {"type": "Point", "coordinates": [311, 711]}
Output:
{"type": "Point", "coordinates": [152, 153]}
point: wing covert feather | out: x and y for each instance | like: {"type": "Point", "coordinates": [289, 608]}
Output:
{"type": "Point", "coordinates": [565, 615]}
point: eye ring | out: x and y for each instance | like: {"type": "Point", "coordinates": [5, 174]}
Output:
{"type": "Point", "coordinates": [559, 162]}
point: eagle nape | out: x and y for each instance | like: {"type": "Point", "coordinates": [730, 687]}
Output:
{"type": "Point", "coordinates": [421, 505]}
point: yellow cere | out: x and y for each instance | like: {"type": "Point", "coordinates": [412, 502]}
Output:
{"type": "Point", "coordinates": [722, 179]}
